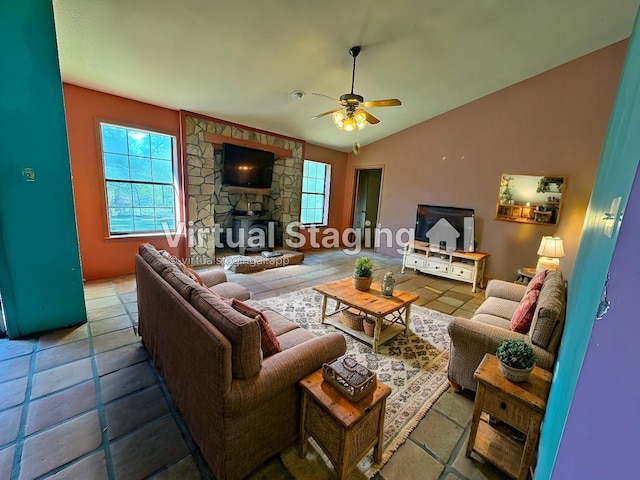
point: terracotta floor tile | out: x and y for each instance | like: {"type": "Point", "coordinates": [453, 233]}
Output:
{"type": "Point", "coordinates": [15, 348]}
{"type": "Point", "coordinates": [6, 461]}
{"type": "Point", "coordinates": [126, 356]}
{"type": "Point", "coordinates": [91, 467]}
{"type": "Point", "coordinates": [110, 324]}
{"type": "Point", "coordinates": [125, 381]}
{"type": "Point", "coordinates": [92, 293]}
{"type": "Point", "coordinates": [148, 449]}
{"type": "Point", "coordinates": [60, 337]}
{"type": "Point", "coordinates": [129, 297]}
{"type": "Point", "coordinates": [14, 368]}
{"type": "Point", "coordinates": [53, 357]}
{"type": "Point", "coordinates": [410, 462]}
{"type": "Point", "coordinates": [57, 378]}
{"type": "Point", "coordinates": [59, 445]}
{"type": "Point", "coordinates": [9, 425]}
{"type": "Point", "coordinates": [12, 392]}
{"type": "Point", "coordinates": [438, 434]}
{"type": "Point", "coordinates": [106, 312]}
{"type": "Point", "coordinates": [60, 406]}
{"type": "Point", "coordinates": [125, 284]}
{"type": "Point", "coordinates": [131, 411]}
{"type": "Point", "coordinates": [111, 340]}
{"type": "Point", "coordinates": [97, 303]}
{"type": "Point", "coordinates": [185, 469]}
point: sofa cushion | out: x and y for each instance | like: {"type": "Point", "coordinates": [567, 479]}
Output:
{"type": "Point", "coordinates": [537, 281]}
{"type": "Point", "coordinates": [181, 283]}
{"type": "Point", "coordinates": [188, 271]}
{"type": "Point", "coordinates": [498, 307]}
{"type": "Point", "coordinates": [492, 320]}
{"type": "Point", "coordinates": [242, 332]}
{"type": "Point", "coordinates": [278, 323]}
{"type": "Point", "coordinates": [268, 340]}
{"type": "Point", "coordinates": [549, 310]}
{"type": "Point", "coordinates": [154, 258]}
{"type": "Point", "coordinates": [522, 317]}
{"type": "Point", "coordinates": [231, 290]}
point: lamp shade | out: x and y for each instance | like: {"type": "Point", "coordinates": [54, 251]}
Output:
{"type": "Point", "coordinates": [551, 247]}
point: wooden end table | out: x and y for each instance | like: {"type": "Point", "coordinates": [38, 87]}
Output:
{"type": "Point", "coordinates": [346, 431]}
{"type": "Point", "coordinates": [519, 405]}
{"type": "Point", "coordinates": [390, 313]}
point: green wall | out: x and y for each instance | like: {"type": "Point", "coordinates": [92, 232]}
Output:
{"type": "Point", "coordinates": [614, 178]}
{"type": "Point", "coordinates": [40, 277]}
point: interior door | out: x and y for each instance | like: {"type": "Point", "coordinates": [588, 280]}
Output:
{"type": "Point", "coordinates": [365, 204]}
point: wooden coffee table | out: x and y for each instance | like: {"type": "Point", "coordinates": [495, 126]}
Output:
{"type": "Point", "coordinates": [390, 313]}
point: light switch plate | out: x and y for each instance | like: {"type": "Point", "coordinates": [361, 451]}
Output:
{"type": "Point", "coordinates": [29, 174]}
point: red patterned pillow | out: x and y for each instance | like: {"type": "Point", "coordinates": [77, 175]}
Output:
{"type": "Point", "coordinates": [244, 309]}
{"type": "Point", "coordinates": [522, 317]}
{"type": "Point", "coordinates": [536, 282]}
{"type": "Point", "coordinates": [268, 340]}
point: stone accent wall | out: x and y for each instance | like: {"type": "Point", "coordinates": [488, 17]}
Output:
{"type": "Point", "coordinates": [210, 205]}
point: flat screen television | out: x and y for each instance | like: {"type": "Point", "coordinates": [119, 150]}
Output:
{"type": "Point", "coordinates": [246, 167]}
{"type": "Point", "coordinates": [428, 216]}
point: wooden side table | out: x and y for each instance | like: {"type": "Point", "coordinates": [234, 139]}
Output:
{"type": "Point", "coordinates": [525, 274]}
{"type": "Point", "coordinates": [346, 431]}
{"type": "Point", "coordinates": [519, 405]}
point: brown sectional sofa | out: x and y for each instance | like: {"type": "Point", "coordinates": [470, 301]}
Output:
{"type": "Point", "coordinates": [472, 338]}
{"type": "Point", "coordinates": [240, 408]}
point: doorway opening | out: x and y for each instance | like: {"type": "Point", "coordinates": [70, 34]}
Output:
{"type": "Point", "coordinates": [366, 201]}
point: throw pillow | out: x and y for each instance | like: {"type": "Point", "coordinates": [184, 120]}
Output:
{"type": "Point", "coordinates": [268, 340]}
{"type": "Point", "coordinates": [536, 282]}
{"type": "Point", "coordinates": [522, 317]}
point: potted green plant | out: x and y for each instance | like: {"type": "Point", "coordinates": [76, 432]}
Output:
{"type": "Point", "coordinates": [363, 274]}
{"type": "Point", "coordinates": [516, 359]}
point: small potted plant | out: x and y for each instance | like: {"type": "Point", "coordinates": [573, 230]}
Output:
{"type": "Point", "coordinates": [516, 359]}
{"type": "Point", "coordinates": [363, 274]}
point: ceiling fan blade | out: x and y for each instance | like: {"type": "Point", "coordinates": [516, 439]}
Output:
{"type": "Point", "coordinates": [326, 113]}
{"type": "Point", "coordinates": [390, 102]}
{"type": "Point", "coordinates": [330, 98]}
{"type": "Point", "coordinates": [370, 118]}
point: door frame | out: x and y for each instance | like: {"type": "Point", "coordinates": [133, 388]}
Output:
{"type": "Point", "coordinates": [356, 188]}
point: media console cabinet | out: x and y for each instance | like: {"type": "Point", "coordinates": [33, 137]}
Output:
{"type": "Point", "coordinates": [458, 265]}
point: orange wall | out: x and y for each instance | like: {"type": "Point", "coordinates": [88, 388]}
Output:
{"type": "Point", "coordinates": [338, 162]}
{"type": "Point", "coordinates": [102, 257]}
{"type": "Point", "coordinates": [552, 124]}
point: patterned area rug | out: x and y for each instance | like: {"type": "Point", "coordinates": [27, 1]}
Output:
{"type": "Point", "coordinates": [414, 366]}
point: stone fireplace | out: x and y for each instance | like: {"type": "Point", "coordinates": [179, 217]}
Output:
{"type": "Point", "coordinates": [210, 206]}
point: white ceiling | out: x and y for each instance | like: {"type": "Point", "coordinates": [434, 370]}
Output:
{"type": "Point", "coordinates": [240, 60]}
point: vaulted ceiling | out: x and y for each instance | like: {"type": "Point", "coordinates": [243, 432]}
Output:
{"type": "Point", "coordinates": [241, 60]}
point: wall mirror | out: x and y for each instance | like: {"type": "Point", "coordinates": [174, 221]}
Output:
{"type": "Point", "coordinates": [530, 198]}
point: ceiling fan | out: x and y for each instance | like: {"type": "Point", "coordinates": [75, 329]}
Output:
{"type": "Point", "coordinates": [351, 114]}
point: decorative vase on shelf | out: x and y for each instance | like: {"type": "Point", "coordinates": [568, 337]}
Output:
{"type": "Point", "coordinates": [388, 283]}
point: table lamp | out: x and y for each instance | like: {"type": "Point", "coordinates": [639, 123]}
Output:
{"type": "Point", "coordinates": [550, 251]}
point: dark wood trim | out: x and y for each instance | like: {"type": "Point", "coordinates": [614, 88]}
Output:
{"type": "Point", "coordinates": [218, 140]}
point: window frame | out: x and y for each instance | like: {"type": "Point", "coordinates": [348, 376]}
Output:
{"type": "Point", "coordinates": [175, 182]}
{"type": "Point", "coordinates": [325, 194]}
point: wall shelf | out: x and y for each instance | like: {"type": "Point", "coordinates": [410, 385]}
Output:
{"type": "Point", "coordinates": [218, 140]}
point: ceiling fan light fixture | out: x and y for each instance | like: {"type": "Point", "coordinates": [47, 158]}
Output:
{"type": "Point", "coordinates": [349, 124]}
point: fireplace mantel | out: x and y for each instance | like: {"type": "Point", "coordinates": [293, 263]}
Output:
{"type": "Point", "coordinates": [218, 140]}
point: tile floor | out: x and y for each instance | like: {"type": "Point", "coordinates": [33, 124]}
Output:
{"type": "Point", "coordinates": [86, 403]}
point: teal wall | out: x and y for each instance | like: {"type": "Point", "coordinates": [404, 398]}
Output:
{"type": "Point", "coordinates": [614, 177]}
{"type": "Point", "coordinates": [40, 277]}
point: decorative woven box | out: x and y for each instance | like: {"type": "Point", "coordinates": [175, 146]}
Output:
{"type": "Point", "coordinates": [350, 378]}
{"type": "Point", "coordinates": [352, 319]}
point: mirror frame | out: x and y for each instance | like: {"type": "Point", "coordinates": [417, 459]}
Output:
{"type": "Point", "coordinates": [534, 199]}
